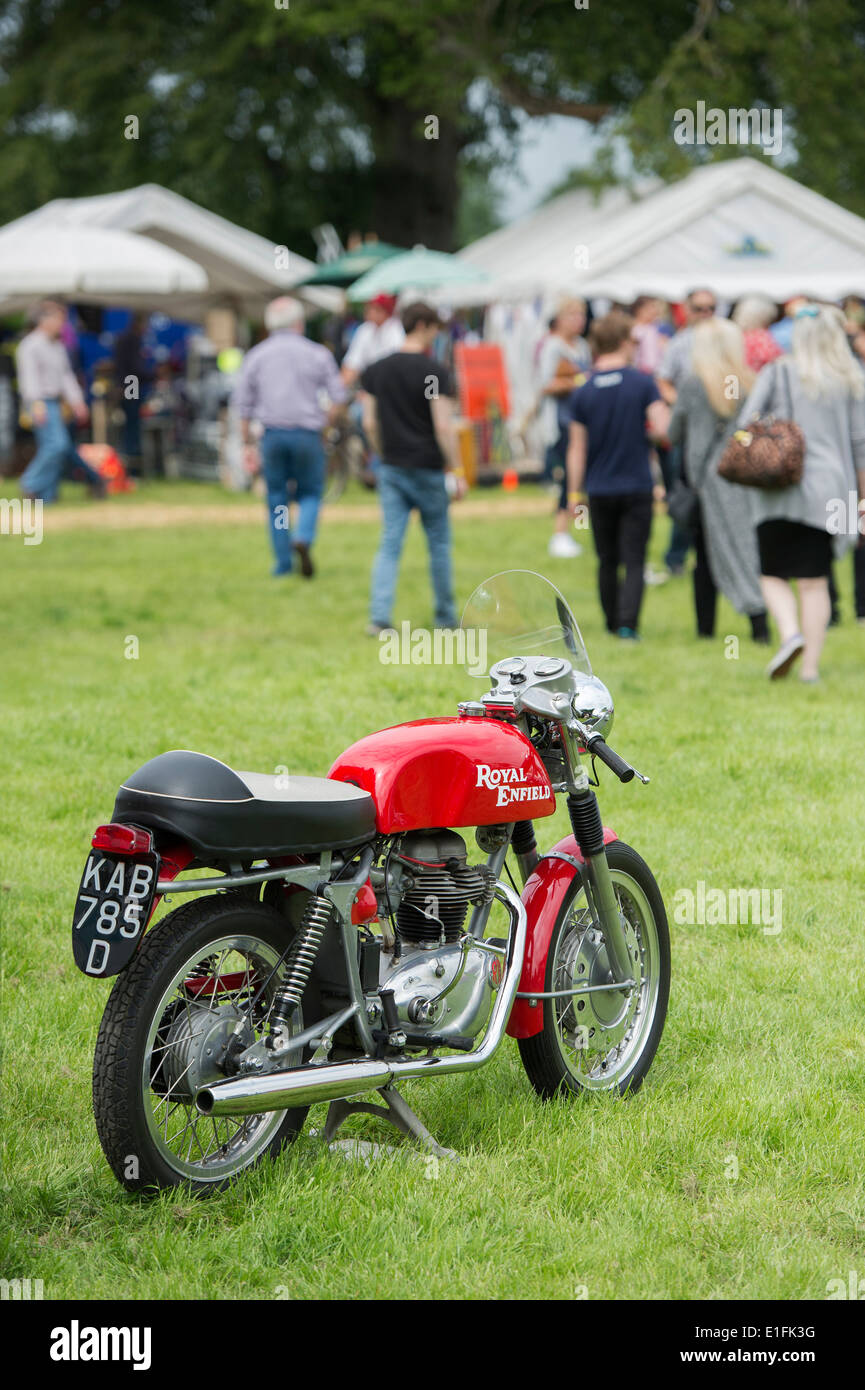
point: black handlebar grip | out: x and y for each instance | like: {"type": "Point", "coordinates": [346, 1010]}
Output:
{"type": "Point", "coordinates": [602, 750]}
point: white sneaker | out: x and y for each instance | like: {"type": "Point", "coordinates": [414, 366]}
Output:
{"type": "Point", "coordinates": [784, 657]}
{"type": "Point", "coordinates": [564, 547]}
{"type": "Point", "coordinates": [653, 577]}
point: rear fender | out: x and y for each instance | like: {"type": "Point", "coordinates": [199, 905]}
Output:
{"type": "Point", "coordinates": [543, 896]}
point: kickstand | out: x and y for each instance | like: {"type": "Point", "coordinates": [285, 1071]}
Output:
{"type": "Point", "coordinates": [396, 1111]}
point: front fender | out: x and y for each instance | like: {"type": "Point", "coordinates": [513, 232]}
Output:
{"type": "Point", "coordinates": [542, 898]}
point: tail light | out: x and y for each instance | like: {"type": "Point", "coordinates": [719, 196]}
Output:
{"type": "Point", "coordinates": [122, 839]}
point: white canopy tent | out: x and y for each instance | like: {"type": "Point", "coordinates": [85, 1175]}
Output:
{"type": "Point", "coordinates": [738, 225]}
{"type": "Point", "coordinates": [243, 270]}
{"type": "Point", "coordinates": [99, 264]}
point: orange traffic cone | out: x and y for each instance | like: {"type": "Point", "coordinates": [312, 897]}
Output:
{"type": "Point", "coordinates": [510, 480]}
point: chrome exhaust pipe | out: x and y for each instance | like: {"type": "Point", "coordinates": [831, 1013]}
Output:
{"type": "Point", "coordinates": [254, 1095]}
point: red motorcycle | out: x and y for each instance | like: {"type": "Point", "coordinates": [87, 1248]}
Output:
{"type": "Point", "coordinates": [327, 954]}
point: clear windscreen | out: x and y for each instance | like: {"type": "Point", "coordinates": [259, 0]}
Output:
{"type": "Point", "coordinates": [519, 613]}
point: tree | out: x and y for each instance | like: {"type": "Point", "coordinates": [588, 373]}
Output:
{"type": "Point", "coordinates": [364, 112]}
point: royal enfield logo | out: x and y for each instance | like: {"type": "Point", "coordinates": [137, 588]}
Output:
{"type": "Point", "coordinates": [509, 784]}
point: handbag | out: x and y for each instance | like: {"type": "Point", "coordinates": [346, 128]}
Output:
{"type": "Point", "coordinates": [769, 454]}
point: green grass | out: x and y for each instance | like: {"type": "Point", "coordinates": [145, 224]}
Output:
{"type": "Point", "coordinates": [763, 1058]}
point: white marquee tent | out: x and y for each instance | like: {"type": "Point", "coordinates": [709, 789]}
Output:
{"type": "Point", "coordinates": [738, 225]}
{"type": "Point", "coordinates": [92, 263]}
{"type": "Point", "coordinates": [243, 269]}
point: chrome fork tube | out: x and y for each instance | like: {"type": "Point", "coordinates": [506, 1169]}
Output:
{"type": "Point", "coordinates": [588, 832]}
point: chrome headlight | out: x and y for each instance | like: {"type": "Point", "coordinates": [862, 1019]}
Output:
{"type": "Point", "coordinates": [593, 704]}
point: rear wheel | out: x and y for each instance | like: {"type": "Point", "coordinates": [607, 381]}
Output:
{"type": "Point", "coordinates": [604, 1040]}
{"type": "Point", "coordinates": [164, 1030]}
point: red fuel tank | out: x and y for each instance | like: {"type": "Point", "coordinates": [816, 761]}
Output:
{"type": "Point", "coordinates": [449, 772]}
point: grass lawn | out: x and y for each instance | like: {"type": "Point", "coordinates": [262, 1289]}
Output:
{"type": "Point", "coordinates": [737, 1169]}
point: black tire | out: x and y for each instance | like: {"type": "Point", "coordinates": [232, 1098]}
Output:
{"type": "Point", "coordinates": [125, 1126]}
{"type": "Point", "coordinates": [553, 1067]}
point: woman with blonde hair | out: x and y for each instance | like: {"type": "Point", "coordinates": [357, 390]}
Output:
{"type": "Point", "coordinates": [703, 419]}
{"type": "Point", "coordinates": [822, 388]}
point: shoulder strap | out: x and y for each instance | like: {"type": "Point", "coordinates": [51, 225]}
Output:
{"type": "Point", "coordinates": [781, 372]}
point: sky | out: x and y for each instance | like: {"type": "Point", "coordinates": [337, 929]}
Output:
{"type": "Point", "coordinates": [550, 147]}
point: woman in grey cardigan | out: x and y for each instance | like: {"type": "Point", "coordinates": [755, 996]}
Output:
{"type": "Point", "coordinates": [822, 388]}
{"type": "Point", "coordinates": [703, 419]}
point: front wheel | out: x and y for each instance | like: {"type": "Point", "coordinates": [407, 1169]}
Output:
{"type": "Point", "coordinates": [603, 1040]}
{"type": "Point", "coordinates": [203, 969]}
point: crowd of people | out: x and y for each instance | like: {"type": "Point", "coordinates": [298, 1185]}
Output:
{"type": "Point", "coordinates": [637, 410]}
{"type": "Point", "coordinates": [636, 413]}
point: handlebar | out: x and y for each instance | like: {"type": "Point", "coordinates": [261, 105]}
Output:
{"type": "Point", "coordinates": [597, 745]}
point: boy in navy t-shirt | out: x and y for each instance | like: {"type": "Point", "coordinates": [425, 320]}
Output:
{"type": "Point", "coordinates": [612, 418]}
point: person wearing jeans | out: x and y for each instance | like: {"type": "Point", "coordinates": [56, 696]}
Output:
{"type": "Point", "coordinates": [55, 457]}
{"type": "Point", "coordinates": [408, 410]}
{"type": "Point", "coordinates": [400, 491]}
{"type": "Point", "coordinates": [45, 380]}
{"type": "Point", "coordinates": [280, 387]}
{"type": "Point", "coordinates": [612, 418]}
{"type": "Point", "coordinates": [292, 461]}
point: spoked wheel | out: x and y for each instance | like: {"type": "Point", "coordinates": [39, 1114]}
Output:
{"type": "Point", "coordinates": [205, 968]}
{"type": "Point", "coordinates": [604, 1040]}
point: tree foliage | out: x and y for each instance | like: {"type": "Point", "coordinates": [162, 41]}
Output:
{"type": "Point", "coordinates": [282, 118]}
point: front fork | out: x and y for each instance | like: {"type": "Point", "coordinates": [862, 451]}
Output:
{"type": "Point", "coordinates": [589, 834]}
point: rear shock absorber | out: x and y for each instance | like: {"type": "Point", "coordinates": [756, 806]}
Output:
{"type": "Point", "coordinates": [287, 998]}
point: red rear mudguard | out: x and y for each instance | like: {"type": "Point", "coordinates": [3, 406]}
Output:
{"type": "Point", "coordinates": [542, 897]}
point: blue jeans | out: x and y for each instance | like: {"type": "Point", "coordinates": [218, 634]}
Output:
{"type": "Point", "coordinates": [55, 454]}
{"type": "Point", "coordinates": [131, 428]}
{"type": "Point", "coordinates": [400, 491]}
{"type": "Point", "coordinates": [292, 457]}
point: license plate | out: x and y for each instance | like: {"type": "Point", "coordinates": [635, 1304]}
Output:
{"type": "Point", "coordinates": [112, 909]}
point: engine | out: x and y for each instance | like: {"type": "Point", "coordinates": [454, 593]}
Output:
{"type": "Point", "coordinates": [441, 983]}
{"type": "Point", "coordinates": [432, 910]}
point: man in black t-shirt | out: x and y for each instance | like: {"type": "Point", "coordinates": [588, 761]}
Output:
{"type": "Point", "coordinates": [408, 413]}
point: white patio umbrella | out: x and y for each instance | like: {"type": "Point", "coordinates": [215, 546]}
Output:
{"type": "Point", "coordinates": [419, 269]}
{"type": "Point", "coordinates": [92, 264]}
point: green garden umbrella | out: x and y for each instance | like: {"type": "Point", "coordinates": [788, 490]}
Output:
{"type": "Point", "coordinates": [419, 269]}
{"type": "Point", "coordinates": [348, 267]}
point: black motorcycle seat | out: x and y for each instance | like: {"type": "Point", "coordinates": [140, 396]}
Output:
{"type": "Point", "coordinates": [244, 814]}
